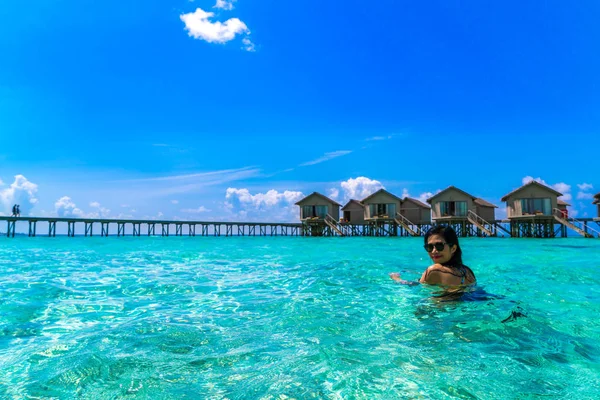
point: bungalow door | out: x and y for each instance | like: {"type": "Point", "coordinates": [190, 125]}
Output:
{"type": "Point", "coordinates": [453, 208]}
{"type": "Point", "coordinates": [347, 216]}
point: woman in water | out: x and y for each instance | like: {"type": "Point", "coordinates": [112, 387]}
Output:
{"type": "Point", "coordinates": [441, 243]}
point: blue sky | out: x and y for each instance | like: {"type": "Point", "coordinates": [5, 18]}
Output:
{"type": "Point", "coordinates": [212, 110]}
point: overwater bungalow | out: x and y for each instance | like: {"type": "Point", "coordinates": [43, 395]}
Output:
{"type": "Point", "coordinates": [535, 209]}
{"type": "Point", "coordinates": [414, 217]}
{"type": "Point", "coordinates": [316, 206]}
{"type": "Point", "coordinates": [597, 202]}
{"type": "Point", "coordinates": [467, 214]}
{"type": "Point", "coordinates": [415, 211]}
{"type": "Point", "coordinates": [531, 200]}
{"type": "Point", "coordinates": [381, 211]}
{"type": "Point", "coordinates": [353, 212]}
{"type": "Point", "coordinates": [319, 215]}
{"type": "Point", "coordinates": [381, 205]}
{"type": "Point", "coordinates": [485, 209]}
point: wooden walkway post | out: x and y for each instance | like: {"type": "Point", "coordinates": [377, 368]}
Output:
{"type": "Point", "coordinates": [88, 228]}
{"type": "Point", "coordinates": [32, 226]}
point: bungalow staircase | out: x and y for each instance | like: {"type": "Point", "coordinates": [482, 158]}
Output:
{"type": "Point", "coordinates": [498, 226]}
{"type": "Point", "coordinates": [479, 222]}
{"type": "Point", "coordinates": [574, 224]}
{"type": "Point", "coordinates": [406, 224]}
{"type": "Point", "coordinates": [333, 224]}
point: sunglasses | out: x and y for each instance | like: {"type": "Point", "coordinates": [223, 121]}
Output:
{"type": "Point", "coordinates": [439, 246]}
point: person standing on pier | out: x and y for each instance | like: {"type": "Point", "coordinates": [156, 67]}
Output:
{"type": "Point", "coordinates": [14, 211]}
{"type": "Point", "coordinates": [18, 211]}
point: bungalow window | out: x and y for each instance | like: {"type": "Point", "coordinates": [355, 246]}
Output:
{"type": "Point", "coordinates": [453, 208]}
{"type": "Point", "coordinates": [382, 209]}
{"type": "Point", "coordinates": [314, 211]}
{"type": "Point", "coordinates": [536, 206]}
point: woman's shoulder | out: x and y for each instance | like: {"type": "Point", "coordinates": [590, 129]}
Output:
{"type": "Point", "coordinates": [433, 272]}
{"type": "Point", "coordinates": [438, 273]}
{"type": "Point", "coordinates": [437, 267]}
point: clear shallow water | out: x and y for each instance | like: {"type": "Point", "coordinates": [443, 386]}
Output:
{"type": "Point", "coordinates": [275, 318]}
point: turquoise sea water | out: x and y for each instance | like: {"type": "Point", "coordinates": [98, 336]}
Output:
{"type": "Point", "coordinates": [278, 318]}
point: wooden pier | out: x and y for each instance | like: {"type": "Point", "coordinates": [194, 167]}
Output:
{"type": "Point", "coordinates": [116, 227]}
{"type": "Point", "coordinates": [539, 228]}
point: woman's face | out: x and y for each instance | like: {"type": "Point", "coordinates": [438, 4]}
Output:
{"type": "Point", "coordinates": [439, 256]}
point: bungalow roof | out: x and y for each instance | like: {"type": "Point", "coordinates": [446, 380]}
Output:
{"type": "Point", "coordinates": [450, 188]}
{"type": "Point", "coordinates": [532, 183]}
{"type": "Point", "coordinates": [484, 203]}
{"type": "Point", "coordinates": [353, 201]}
{"type": "Point", "coordinates": [417, 202]}
{"type": "Point", "coordinates": [319, 195]}
{"type": "Point", "coordinates": [381, 191]}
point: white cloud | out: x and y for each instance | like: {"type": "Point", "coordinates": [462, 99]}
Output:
{"type": "Point", "coordinates": [21, 192]}
{"type": "Point", "coordinates": [175, 201]}
{"type": "Point", "coordinates": [528, 179]}
{"type": "Point", "coordinates": [327, 157]}
{"type": "Point", "coordinates": [359, 188]}
{"type": "Point", "coordinates": [424, 196]}
{"type": "Point", "coordinates": [224, 4]}
{"type": "Point", "coordinates": [405, 193]}
{"type": "Point", "coordinates": [561, 187]}
{"type": "Point", "coordinates": [378, 138]}
{"type": "Point", "coordinates": [564, 189]}
{"type": "Point", "coordinates": [99, 212]}
{"type": "Point", "coordinates": [124, 216]}
{"type": "Point", "coordinates": [65, 207]}
{"type": "Point", "coordinates": [199, 26]}
{"type": "Point", "coordinates": [585, 196]}
{"type": "Point", "coordinates": [333, 193]}
{"type": "Point", "coordinates": [159, 215]}
{"type": "Point", "coordinates": [199, 180]}
{"type": "Point", "coordinates": [1, 183]}
{"type": "Point", "coordinates": [198, 210]}
{"type": "Point", "coordinates": [270, 206]}
{"type": "Point", "coordinates": [248, 45]}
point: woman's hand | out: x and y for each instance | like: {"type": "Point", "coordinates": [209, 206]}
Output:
{"type": "Point", "coordinates": [396, 276]}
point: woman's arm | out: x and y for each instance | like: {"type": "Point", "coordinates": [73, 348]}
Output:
{"type": "Point", "coordinates": [396, 277]}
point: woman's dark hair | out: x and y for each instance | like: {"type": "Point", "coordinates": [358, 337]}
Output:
{"type": "Point", "coordinates": [451, 238]}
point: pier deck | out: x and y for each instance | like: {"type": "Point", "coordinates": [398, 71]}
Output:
{"type": "Point", "coordinates": [194, 228]}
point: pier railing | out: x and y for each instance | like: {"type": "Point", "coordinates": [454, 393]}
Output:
{"type": "Point", "coordinates": [578, 226]}
{"type": "Point", "coordinates": [194, 228]}
{"type": "Point", "coordinates": [407, 224]}
{"type": "Point", "coordinates": [480, 222]}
